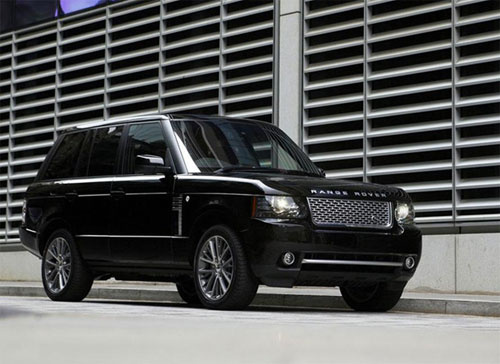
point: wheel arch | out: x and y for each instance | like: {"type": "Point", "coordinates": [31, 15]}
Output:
{"type": "Point", "coordinates": [207, 217]}
{"type": "Point", "coordinates": [48, 228]}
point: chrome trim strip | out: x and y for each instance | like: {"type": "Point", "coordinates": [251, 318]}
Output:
{"type": "Point", "coordinates": [155, 177]}
{"type": "Point", "coordinates": [125, 120]}
{"type": "Point", "coordinates": [31, 231]}
{"type": "Point", "coordinates": [95, 195]}
{"type": "Point", "coordinates": [351, 262]}
{"type": "Point", "coordinates": [81, 180]}
{"type": "Point", "coordinates": [145, 193]}
{"type": "Point", "coordinates": [126, 194]}
{"type": "Point", "coordinates": [226, 194]}
{"type": "Point", "coordinates": [132, 236]}
{"type": "Point", "coordinates": [151, 177]}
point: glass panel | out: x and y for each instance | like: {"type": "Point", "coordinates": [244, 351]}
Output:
{"type": "Point", "coordinates": [143, 141]}
{"type": "Point", "coordinates": [70, 6]}
{"type": "Point", "coordinates": [104, 151]}
{"type": "Point", "coordinates": [82, 164]}
{"type": "Point", "coordinates": [6, 15]}
{"type": "Point", "coordinates": [223, 145]}
{"type": "Point", "coordinates": [32, 11]}
{"type": "Point", "coordinates": [64, 160]}
{"type": "Point", "coordinates": [15, 14]}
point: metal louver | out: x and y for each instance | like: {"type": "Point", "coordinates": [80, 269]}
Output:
{"type": "Point", "coordinates": [395, 92]}
{"type": "Point", "coordinates": [131, 57]}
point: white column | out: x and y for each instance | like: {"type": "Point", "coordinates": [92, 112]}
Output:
{"type": "Point", "coordinates": [289, 58]}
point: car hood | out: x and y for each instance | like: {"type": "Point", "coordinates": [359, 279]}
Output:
{"type": "Point", "coordinates": [307, 186]}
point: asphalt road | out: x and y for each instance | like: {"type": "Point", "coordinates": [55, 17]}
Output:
{"type": "Point", "coordinates": [37, 330]}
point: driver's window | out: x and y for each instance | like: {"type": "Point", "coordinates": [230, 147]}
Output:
{"type": "Point", "coordinates": [146, 148]}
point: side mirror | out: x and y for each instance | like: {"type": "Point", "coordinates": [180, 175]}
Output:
{"type": "Point", "coordinates": [149, 160]}
{"type": "Point", "coordinates": [149, 163]}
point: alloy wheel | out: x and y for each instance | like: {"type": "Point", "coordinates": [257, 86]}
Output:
{"type": "Point", "coordinates": [215, 268]}
{"type": "Point", "coordinates": [57, 265]}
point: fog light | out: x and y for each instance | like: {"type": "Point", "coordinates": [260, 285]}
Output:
{"type": "Point", "coordinates": [288, 258]}
{"type": "Point", "coordinates": [409, 263]}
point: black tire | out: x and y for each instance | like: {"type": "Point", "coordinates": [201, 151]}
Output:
{"type": "Point", "coordinates": [243, 286]}
{"type": "Point", "coordinates": [187, 291]}
{"type": "Point", "coordinates": [378, 297]}
{"type": "Point", "coordinates": [80, 278]}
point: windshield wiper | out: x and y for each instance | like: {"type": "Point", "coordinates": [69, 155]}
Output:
{"type": "Point", "coordinates": [302, 173]}
{"type": "Point", "coordinates": [244, 168]}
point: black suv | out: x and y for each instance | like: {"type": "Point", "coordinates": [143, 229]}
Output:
{"type": "Point", "coordinates": [216, 205]}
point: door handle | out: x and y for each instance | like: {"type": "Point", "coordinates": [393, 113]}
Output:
{"type": "Point", "coordinates": [71, 195]}
{"type": "Point", "coordinates": [118, 193]}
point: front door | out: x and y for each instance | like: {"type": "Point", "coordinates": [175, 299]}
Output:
{"type": "Point", "coordinates": [142, 200]}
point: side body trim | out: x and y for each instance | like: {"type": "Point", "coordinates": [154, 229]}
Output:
{"type": "Point", "coordinates": [132, 236]}
{"type": "Point", "coordinates": [155, 177]}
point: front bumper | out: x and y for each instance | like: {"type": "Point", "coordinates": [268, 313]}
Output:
{"type": "Point", "coordinates": [329, 257]}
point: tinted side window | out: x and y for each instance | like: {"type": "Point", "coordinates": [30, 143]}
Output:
{"type": "Point", "coordinates": [144, 140]}
{"type": "Point", "coordinates": [104, 151]}
{"type": "Point", "coordinates": [83, 161]}
{"type": "Point", "coordinates": [62, 164]}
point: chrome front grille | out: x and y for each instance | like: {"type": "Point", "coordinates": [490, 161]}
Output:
{"type": "Point", "coordinates": [353, 213]}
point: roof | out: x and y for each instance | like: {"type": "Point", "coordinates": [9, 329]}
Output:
{"type": "Point", "coordinates": [149, 117]}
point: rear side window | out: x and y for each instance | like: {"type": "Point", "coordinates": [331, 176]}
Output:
{"type": "Point", "coordinates": [104, 151]}
{"type": "Point", "coordinates": [62, 164]}
{"type": "Point", "coordinates": [83, 161]}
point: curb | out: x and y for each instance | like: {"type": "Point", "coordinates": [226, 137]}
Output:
{"type": "Point", "coordinates": [168, 293]}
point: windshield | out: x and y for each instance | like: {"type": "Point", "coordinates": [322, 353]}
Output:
{"type": "Point", "coordinates": [219, 145]}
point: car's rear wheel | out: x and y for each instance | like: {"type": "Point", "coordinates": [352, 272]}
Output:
{"type": "Point", "coordinates": [65, 275]}
{"type": "Point", "coordinates": [377, 297]}
{"type": "Point", "coordinates": [223, 278]}
{"type": "Point", "coordinates": [187, 291]}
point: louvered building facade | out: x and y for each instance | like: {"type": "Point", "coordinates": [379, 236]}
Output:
{"type": "Point", "coordinates": [408, 93]}
{"type": "Point", "coordinates": [394, 92]}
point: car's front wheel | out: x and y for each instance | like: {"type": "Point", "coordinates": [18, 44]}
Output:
{"type": "Point", "coordinates": [376, 297]}
{"type": "Point", "coordinates": [65, 275]}
{"type": "Point", "coordinates": [223, 278]}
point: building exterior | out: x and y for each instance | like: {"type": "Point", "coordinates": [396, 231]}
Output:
{"type": "Point", "coordinates": [394, 92]}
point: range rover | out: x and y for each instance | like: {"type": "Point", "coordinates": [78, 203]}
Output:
{"type": "Point", "coordinates": [216, 205]}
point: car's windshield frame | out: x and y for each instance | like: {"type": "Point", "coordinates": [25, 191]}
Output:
{"type": "Point", "coordinates": [283, 152]}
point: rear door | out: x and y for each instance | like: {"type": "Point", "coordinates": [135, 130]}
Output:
{"type": "Point", "coordinates": [90, 191]}
{"type": "Point", "coordinates": [142, 199]}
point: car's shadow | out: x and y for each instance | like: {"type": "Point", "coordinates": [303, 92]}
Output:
{"type": "Point", "coordinates": [251, 308]}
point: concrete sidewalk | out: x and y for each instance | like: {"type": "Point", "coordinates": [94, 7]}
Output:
{"type": "Point", "coordinates": [319, 298]}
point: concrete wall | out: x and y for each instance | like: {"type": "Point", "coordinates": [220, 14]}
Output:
{"type": "Point", "coordinates": [468, 263]}
{"type": "Point", "coordinates": [19, 266]}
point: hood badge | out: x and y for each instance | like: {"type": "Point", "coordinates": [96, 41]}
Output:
{"type": "Point", "coordinates": [348, 193]}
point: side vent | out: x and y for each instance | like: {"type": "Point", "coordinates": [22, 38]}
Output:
{"type": "Point", "coordinates": [177, 207]}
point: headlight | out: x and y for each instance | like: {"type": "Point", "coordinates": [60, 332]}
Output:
{"type": "Point", "coordinates": [404, 213]}
{"type": "Point", "coordinates": [283, 207]}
